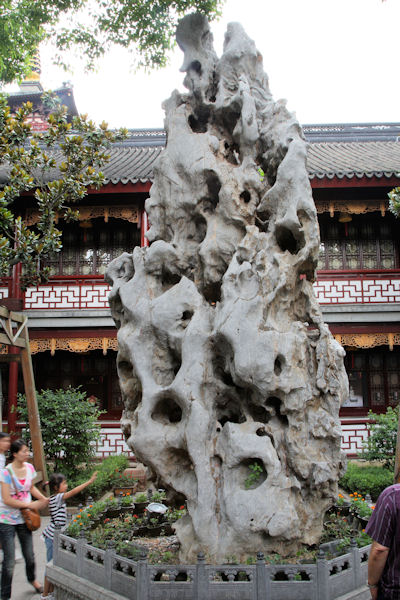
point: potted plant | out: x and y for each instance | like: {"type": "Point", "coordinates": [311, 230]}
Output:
{"type": "Point", "coordinates": [124, 484]}
{"type": "Point", "coordinates": [112, 508]}
{"type": "Point", "coordinates": [159, 496]}
{"type": "Point", "coordinates": [141, 502]}
{"type": "Point", "coordinates": [342, 506]}
{"type": "Point", "coordinates": [126, 503]}
{"type": "Point", "coordinates": [153, 527]}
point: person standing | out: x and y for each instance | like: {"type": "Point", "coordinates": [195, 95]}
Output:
{"type": "Point", "coordinates": [17, 490]}
{"type": "Point", "coordinates": [5, 442]}
{"type": "Point", "coordinates": [384, 529]}
{"type": "Point", "coordinates": [59, 493]}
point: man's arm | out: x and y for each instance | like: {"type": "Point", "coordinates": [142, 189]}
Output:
{"type": "Point", "coordinates": [376, 563]}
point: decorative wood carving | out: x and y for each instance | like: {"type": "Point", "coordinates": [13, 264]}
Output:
{"type": "Point", "coordinates": [127, 213]}
{"type": "Point", "coordinates": [73, 344]}
{"type": "Point", "coordinates": [368, 340]}
{"type": "Point", "coordinates": [353, 208]}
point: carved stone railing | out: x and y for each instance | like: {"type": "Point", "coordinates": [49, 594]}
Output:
{"type": "Point", "coordinates": [80, 571]}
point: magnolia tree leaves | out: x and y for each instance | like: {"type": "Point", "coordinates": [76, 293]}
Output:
{"type": "Point", "coordinates": [55, 167]}
{"type": "Point", "coordinates": [394, 201]}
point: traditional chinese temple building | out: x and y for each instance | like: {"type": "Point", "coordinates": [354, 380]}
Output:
{"type": "Point", "coordinates": [352, 167]}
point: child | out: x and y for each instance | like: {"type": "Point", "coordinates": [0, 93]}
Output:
{"type": "Point", "coordinates": [5, 442]}
{"type": "Point", "coordinates": [58, 516]}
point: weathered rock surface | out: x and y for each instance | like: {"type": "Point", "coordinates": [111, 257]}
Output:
{"type": "Point", "coordinates": [224, 360]}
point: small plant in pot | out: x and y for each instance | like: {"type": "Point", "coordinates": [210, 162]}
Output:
{"type": "Point", "coordinates": [153, 527]}
{"type": "Point", "coordinates": [141, 502]}
{"type": "Point", "coordinates": [124, 484]}
{"type": "Point", "coordinates": [112, 508]}
{"type": "Point", "coordinates": [159, 496]}
{"type": "Point", "coordinates": [342, 506]}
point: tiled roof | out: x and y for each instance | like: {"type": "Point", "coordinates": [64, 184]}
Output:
{"type": "Point", "coordinates": [353, 159]}
{"type": "Point", "coordinates": [344, 150]}
{"type": "Point", "coordinates": [131, 164]}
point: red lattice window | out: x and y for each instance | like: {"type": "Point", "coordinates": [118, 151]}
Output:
{"type": "Point", "coordinates": [374, 378]}
{"type": "Point", "coordinates": [88, 250]}
{"type": "Point", "coordinates": [366, 242]}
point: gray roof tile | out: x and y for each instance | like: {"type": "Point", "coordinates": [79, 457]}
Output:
{"type": "Point", "coordinates": [369, 150]}
{"type": "Point", "coordinates": [353, 159]}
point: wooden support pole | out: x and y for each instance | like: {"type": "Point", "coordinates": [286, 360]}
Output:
{"type": "Point", "coordinates": [18, 342]}
{"type": "Point", "coordinates": [33, 412]}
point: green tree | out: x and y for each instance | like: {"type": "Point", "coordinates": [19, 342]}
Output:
{"type": "Point", "coordinates": [148, 26]}
{"type": "Point", "coordinates": [69, 427]}
{"type": "Point", "coordinates": [381, 442]}
{"type": "Point", "coordinates": [394, 201]}
{"type": "Point", "coordinates": [56, 167]}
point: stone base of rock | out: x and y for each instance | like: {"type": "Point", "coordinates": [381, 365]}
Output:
{"type": "Point", "coordinates": [72, 587]}
{"type": "Point", "coordinates": [80, 571]}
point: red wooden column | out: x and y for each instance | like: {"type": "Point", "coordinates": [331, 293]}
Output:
{"type": "Point", "coordinates": [15, 303]}
{"type": "Point", "coordinates": [144, 227]}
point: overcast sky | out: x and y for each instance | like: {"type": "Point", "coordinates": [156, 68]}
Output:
{"type": "Point", "coordinates": [333, 60]}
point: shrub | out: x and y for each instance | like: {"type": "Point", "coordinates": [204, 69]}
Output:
{"type": "Point", "coordinates": [366, 479]}
{"type": "Point", "coordinates": [381, 443]}
{"type": "Point", "coordinates": [107, 472]}
{"type": "Point", "coordinates": [69, 427]}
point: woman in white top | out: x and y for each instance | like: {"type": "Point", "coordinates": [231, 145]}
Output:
{"type": "Point", "coordinates": [17, 490]}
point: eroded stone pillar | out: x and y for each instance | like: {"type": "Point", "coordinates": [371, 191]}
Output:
{"type": "Point", "coordinates": [224, 360]}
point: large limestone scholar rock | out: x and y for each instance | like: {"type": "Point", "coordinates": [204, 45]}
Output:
{"type": "Point", "coordinates": [224, 360]}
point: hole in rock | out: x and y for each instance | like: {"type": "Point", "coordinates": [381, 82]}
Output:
{"type": "Point", "coordinates": [215, 462]}
{"type": "Point", "coordinates": [169, 279]}
{"type": "Point", "coordinates": [126, 429]}
{"type": "Point", "coordinates": [232, 153]}
{"type": "Point", "coordinates": [195, 65]}
{"type": "Point", "coordinates": [166, 362]}
{"type": "Point", "coordinates": [218, 429]}
{"type": "Point", "coordinates": [209, 203]}
{"type": "Point", "coordinates": [275, 404]}
{"type": "Point", "coordinates": [214, 185]}
{"type": "Point", "coordinates": [262, 220]}
{"type": "Point", "coordinates": [252, 473]}
{"type": "Point", "coordinates": [212, 292]}
{"type": "Point", "coordinates": [230, 412]}
{"type": "Point", "coordinates": [199, 229]}
{"type": "Point", "coordinates": [258, 413]}
{"type": "Point", "coordinates": [125, 369]}
{"type": "Point", "coordinates": [179, 460]}
{"type": "Point", "coordinates": [167, 411]}
{"type": "Point", "coordinates": [261, 432]}
{"type": "Point", "coordinates": [278, 365]}
{"type": "Point", "coordinates": [198, 123]}
{"type": "Point", "coordinates": [186, 317]}
{"type": "Point", "coordinates": [286, 240]}
{"type": "Point", "coordinates": [245, 196]}
{"type": "Point", "coordinates": [130, 384]}
{"type": "Point", "coordinates": [224, 375]}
